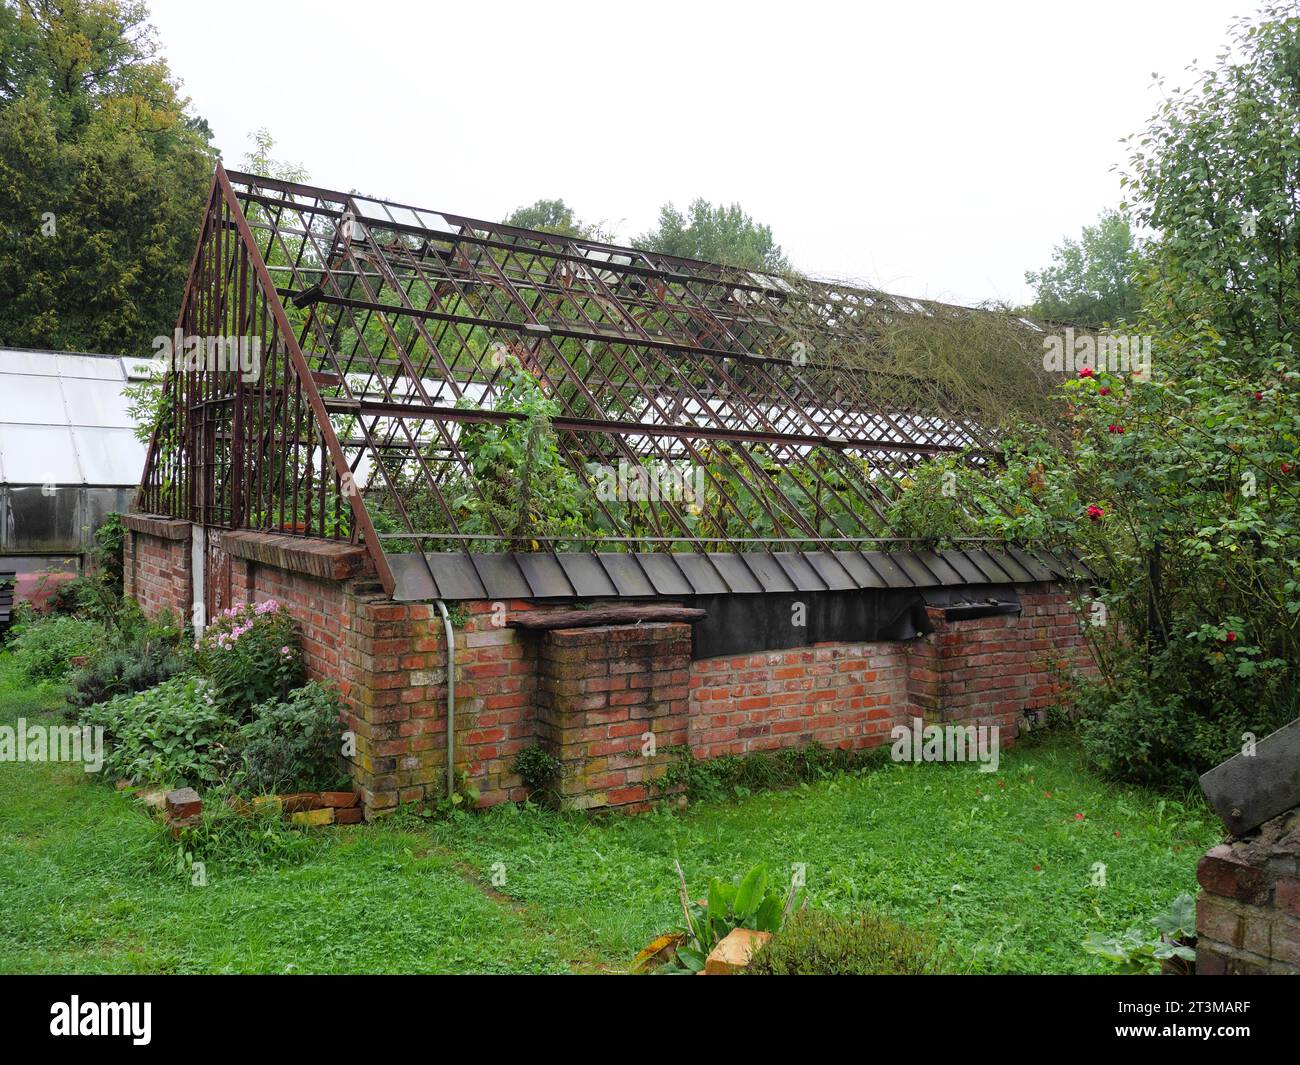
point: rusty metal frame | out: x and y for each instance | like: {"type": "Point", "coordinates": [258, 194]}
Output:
{"type": "Point", "coordinates": [381, 326]}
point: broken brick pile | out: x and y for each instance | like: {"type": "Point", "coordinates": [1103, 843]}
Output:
{"type": "Point", "coordinates": [183, 807]}
{"type": "Point", "coordinates": [1248, 913]}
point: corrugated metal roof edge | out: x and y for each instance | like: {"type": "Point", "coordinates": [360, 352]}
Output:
{"type": "Point", "coordinates": [639, 575]}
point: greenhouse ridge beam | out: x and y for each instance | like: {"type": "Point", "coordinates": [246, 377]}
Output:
{"type": "Point", "coordinates": [393, 338]}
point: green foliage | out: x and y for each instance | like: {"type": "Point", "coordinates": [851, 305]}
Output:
{"type": "Point", "coordinates": [744, 903]}
{"type": "Point", "coordinates": [45, 646]}
{"type": "Point", "coordinates": [556, 216]}
{"type": "Point", "coordinates": [251, 654]}
{"type": "Point", "coordinates": [736, 777]}
{"type": "Point", "coordinates": [718, 234]}
{"type": "Point", "coordinates": [538, 769]}
{"type": "Point", "coordinates": [106, 558]}
{"type": "Point", "coordinates": [102, 178]}
{"type": "Point", "coordinates": [816, 943]}
{"type": "Point", "coordinates": [1137, 952]}
{"type": "Point", "coordinates": [518, 487]}
{"type": "Point", "coordinates": [169, 735]}
{"type": "Point", "coordinates": [127, 666]}
{"type": "Point", "coordinates": [294, 745]}
{"type": "Point", "coordinates": [1215, 173]}
{"type": "Point", "coordinates": [1180, 487]}
{"type": "Point", "coordinates": [1092, 281]}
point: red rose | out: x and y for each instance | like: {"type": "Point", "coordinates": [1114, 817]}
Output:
{"type": "Point", "coordinates": [1085, 371]}
{"type": "Point", "coordinates": [1231, 637]}
{"type": "Point", "coordinates": [1103, 391]}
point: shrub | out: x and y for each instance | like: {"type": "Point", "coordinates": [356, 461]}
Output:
{"type": "Point", "coordinates": [538, 769]}
{"type": "Point", "coordinates": [138, 654]}
{"type": "Point", "coordinates": [1183, 708]}
{"type": "Point", "coordinates": [168, 735]}
{"type": "Point", "coordinates": [294, 745]}
{"type": "Point", "coordinates": [815, 943]}
{"type": "Point", "coordinates": [107, 557]}
{"type": "Point", "coordinates": [124, 670]}
{"type": "Point", "coordinates": [251, 655]}
{"type": "Point", "coordinates": [45, 646]}
{"type": "Point", "coordinates": [747, 903]}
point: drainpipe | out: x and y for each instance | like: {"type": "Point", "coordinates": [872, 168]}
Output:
{"type": "Point", "coordinates": [451, 697]}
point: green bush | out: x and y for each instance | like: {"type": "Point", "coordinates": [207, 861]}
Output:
{"type": "Point", "coordinates": [294, 745]}
{"type": "Point", "coordinates": [124, 670]}
{"type": "Point", "coordinates": [168, 735]}
{"type": "Point", "coordinates": [1182, 709]}
{"type": "Point", "coordinates": [138, 654]}
{"type": "Point", "coordinates": [251, 654]}
{"type": "Point", "coordinates": [45, 646]}
{"type": "Point", "coordinates": [815, 943]}
{"type": "Point", "coordinates": [539, 770]}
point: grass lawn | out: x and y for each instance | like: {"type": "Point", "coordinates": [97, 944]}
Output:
{"type": "Point", "coordinates": [1000, 864]}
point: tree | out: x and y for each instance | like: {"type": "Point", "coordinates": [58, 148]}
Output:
{"type": "Point", "coordinates": [1217, 174]}
{"type": "Point", "coordinates": [714, 234]}
{"type": "Point", "coordinates": [259, 160]}
{"type": "Point", "coordinates": [1092, 280]}
{"type": "Point", "coordinates": [549, 216]}
{"type": "Point", "coordinates": [1182, 492]}
{"type": "Point", "coordinates": [556, 216]}
{"type": "Point", "coordinates": [103, 174]}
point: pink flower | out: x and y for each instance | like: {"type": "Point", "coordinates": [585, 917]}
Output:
{"type": "Point", "coordinates": [1095, 512]}
{"type": "Point", "coordinates": [1103, 391]}
{"type": "Point", "coordinates": [1231, 637]}
{"type": "Point", "coordinates": [1085, 371]}
{"type": "Point", "coordinates": [1078, 817]}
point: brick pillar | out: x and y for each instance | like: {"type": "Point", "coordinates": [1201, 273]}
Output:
{"type": "Point", "coordinates": [156, 559]}
{"type": "Point", "coordinates": [992, 670]}
{"type": "Point", "coordinates": [1248, 915]}
{"type": "Point", "coordinates": [601, 691]}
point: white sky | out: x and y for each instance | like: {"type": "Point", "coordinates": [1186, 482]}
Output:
{"type": "Point", "coordinates": [932, 148]}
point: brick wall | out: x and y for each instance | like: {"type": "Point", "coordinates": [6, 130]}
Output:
{"type": "Point", "coordinates": [838, 695]}
{"type": "Point", "coordinates": [1248, 915]}
{"type": "Point", "coordinates": [589, 696]}
{"type": "Point", "coordinates": [612, 706]}
{"type": "Point", "coordinates": [995, 669]}
{"type": "Point", "coordinates": [989, 670]}
{"type": "Point", "coordinates": [156, 565]}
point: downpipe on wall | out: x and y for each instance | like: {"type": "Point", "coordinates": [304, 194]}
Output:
{"type": "Point", "coordinates": [451, 697]}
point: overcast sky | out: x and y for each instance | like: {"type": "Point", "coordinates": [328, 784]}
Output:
{"type": "Point", "coordinates": [931, 148]}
